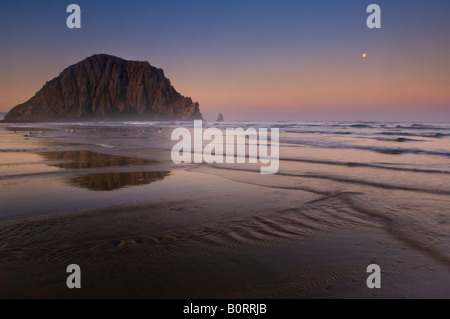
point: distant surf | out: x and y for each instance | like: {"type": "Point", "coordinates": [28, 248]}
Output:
{"type": "Point", "coordinates": [109, 192]}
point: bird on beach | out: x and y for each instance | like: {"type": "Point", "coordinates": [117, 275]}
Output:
{"type": "Point", "coordinates": [28, 135]}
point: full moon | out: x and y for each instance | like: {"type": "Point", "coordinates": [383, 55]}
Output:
{"type": "Point", "coordinates": [364, 55]}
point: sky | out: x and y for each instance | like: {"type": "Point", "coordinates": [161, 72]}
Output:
{"type": "Point", "coordinates": [248, 59]}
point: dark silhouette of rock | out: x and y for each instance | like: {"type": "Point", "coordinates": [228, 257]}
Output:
{"type": "Point", "coordinates": [107, 87]}
{"type": "Point", "coordinates": [220, 118]}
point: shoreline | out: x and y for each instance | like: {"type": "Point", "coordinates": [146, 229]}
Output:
{"type": "Point", "coordinates": [332, 266]}
{"type": "Point", "coordinates": [178, 249]}
{"type": "Point", "coordinates": [141, 227]}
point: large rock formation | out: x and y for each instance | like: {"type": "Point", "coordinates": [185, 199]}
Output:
{"type": "Point", "coordinates": [107, 87]}
{"type": "Point", "coordinates": [220, 118]}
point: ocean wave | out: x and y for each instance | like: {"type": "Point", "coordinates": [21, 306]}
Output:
{"type": "Point", "coordinates": [436, 135]}
{"type": "Point", "coordinates": [340, 179]}
{"type": "Point", "coordinates": [24, 150]}
{"type": "Point", "coordinates": [379, 149]}
{"type": "Point", "coordinates": [366, 165]}
{"type": "Point", "coordinates": [430, 135]}
{"type": "Point", "coordinates": [398, 139]}
{"type": "Point", "coordinates": [106, 145]}
{"type": "Point", "coordinates": [361, 126]}
{"type": "Point", "coordinates": [317, 132]}
{"type": "Point", "coordinates": [420, 127]}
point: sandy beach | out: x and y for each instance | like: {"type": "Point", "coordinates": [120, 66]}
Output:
{"type": "Point", "coordinates": [120, 261]}
{"type": "Point", "coordinates": [209, 156]}
{"type": "Point", "coordinates": [140, 226]}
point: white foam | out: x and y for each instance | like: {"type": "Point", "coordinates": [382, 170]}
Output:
{"type": "Point", "coordinates": [106, 145]}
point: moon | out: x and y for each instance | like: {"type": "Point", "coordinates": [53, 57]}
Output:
{"type": "Point", "coordinates": [364, 55]}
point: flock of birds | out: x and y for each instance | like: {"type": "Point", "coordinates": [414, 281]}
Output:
{"type": "Point", "coordinates": [30, 134]}
{"type": "Point", "coordinates": [95, 131]}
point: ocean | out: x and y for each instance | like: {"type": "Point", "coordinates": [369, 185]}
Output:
{"type": "Point", "coordinates": [333, 178]}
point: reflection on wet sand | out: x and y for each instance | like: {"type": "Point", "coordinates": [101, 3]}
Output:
{"type": "Point", "coordinates": [105, 181]}
{"type": "Point", "coordinates": [89, 159]}
{"type": "Point", "coordinates": [116, 180]}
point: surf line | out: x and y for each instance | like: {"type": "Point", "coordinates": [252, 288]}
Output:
{"type": "Point", "coordinates": [235, 150]}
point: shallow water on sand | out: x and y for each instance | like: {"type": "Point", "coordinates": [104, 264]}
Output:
{"type": "Point", "coordinates": [333, 177]}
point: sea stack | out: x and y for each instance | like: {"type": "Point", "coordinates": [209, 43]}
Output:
{"type": "Point", "coordinates": [107, 87]}
{"type": "Point", "coordinates": [220, 118]}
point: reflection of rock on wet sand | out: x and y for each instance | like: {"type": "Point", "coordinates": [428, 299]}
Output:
{"type": "Point", "coordinates": [89, 159]}
{"type": "Point", "coordinates": [113, 181]}
{"type": "Point", "coordinates": [105, 181]}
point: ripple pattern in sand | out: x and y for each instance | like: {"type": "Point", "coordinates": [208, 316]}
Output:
{"type": "Point", "coordinates": [137, 235]}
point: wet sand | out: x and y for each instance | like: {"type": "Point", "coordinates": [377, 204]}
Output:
{"type": "Point", "coordinates": [210, 248]}
{"type": "Point", "coordinates": [141, 227]}
{"type": "Point", "coordinates": [119, 259]}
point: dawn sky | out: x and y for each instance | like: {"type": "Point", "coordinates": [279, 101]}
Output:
{"type": "Point", "coordinates": [259, 60]}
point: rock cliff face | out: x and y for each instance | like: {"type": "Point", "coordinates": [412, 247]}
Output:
{"type": "Point", "coordinates": [220, 118]}
{"type": "Point", "coordinates": [107, 87]}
